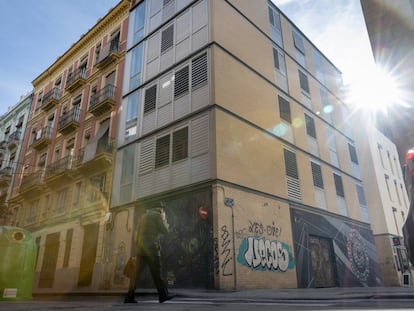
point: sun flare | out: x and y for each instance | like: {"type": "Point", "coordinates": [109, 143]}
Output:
{"type": "Point", "coordinates": [375, 90]}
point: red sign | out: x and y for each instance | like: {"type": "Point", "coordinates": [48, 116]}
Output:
{"type": "Point", "coordinates": [202, 212]}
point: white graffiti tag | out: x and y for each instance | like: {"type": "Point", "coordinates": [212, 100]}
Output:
{"type": "Point", "coordinates": [266, 254]}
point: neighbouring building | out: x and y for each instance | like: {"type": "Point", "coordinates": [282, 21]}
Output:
{"type": "Point", "coordinates": [12, 129]}
{"type": "Point", "coordinates": [390, 26]}
{"type": "Point", "coordinates": [63, 186]}
{"type": "Point", "coordinates": [386, 196]}
{"type": "Point", "coordinates": [234, 118]}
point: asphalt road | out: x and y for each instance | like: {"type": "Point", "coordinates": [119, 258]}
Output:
{"type": "Point", "coordinates": [92, 303]}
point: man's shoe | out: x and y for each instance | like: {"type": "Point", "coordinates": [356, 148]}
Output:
{"type": "Point", "coordinates": [130, 300]}
{"type": "Point", "coordinates": [165, 298]}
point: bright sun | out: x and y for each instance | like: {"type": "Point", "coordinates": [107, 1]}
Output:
{"type": "Point", "coordinates": [375, 90]}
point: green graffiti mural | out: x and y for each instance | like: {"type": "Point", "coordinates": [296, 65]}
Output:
{"type": "Point", "coordinates": [259, 253]}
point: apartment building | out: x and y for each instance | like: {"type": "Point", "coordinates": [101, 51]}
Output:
{"type": "Point", "coordinates": [390, 26]}
{"type": "Point", "coordinates": [62, 190]}
{"type": "Point", "coordinates": [388, 203]}
{"type": "Point", "coordinates": [233, 118]}
{"type": "Point", "coordinates": [12, 129]}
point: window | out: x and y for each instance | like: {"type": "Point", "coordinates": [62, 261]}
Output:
{"type": "Point", "coordinates": [39, 100]}
{"type": "Point", "coordinates": [380, 151]}
{"type": "Point", "coordinates": [284, 109]}
{"type": "Point", "coordinates": [97, 53]}
{"type": "Point", "coordinates": [353, 154]}
{"type": "Point", "coordinates": [362, 203]}
{"type": "Point", "coordinates": [274, 20]}
{"type": "Point", "coordinates": [97, 185]}
{"type": "Point", "coordinates": [127, 169]}
{"type": "Point", "coordinates": [298, 42]}
{"type": "Point", "coordinates": [291, 167]}
{"type": "Point", "coordinates": [136, 67]}
{"type": "Point", "coordinates": [180, 144]}
{"type": "Point", "coordinates": [68, 246]}
{"type": "Point", "coordinates": [199, 73]}
{"type": "Point", "coordinates": [114, 41]}
{"type": "Point", "coordinates": [83, 66]}
{"type": "Point", "coordinates": [132, 107]}
{"type": "Point", "coordinates": [310, 126]}
{"type": "Point", "coordinates": [20, 122]}
{"type": "Point", "coordinates": [317, 175]}
{"type": "Point", "coordinates": [167, 39]}
{"type": "Point", "coordinates": [339, 186]}
{"type": "Point", "coordinates": [279, 60]}
{"type": "Point", "coordinates": [138, 20]}
{"type": "Point", "coordinates": [181, 82]}
{"type": "Point", "coordinates": [150, 99]}
{"type": "Point", "coordinates": [396, 191]}
{"type": "Point", "coordinates": [77, 194]}
{"type": "Point", "coordinates": [77, 100]}
{"type": "Point", "coordinates": [303, 81]}
{"type": "Point", "coordinates": [387, 182]}
{"type": "Point", "coordinates": [162, 151]}
{"type": "Point", "coordinates": [179, 150]}
{"type": "Point", "coordinates": [389, 162]}
{"type": "Point", "coordinates": [61, 201]}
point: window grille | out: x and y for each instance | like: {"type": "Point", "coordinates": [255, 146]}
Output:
{"type": "Point", "coordinates": [150, 99]}
{"type": "Point", "coordinates": [338, 185]}
{"type": "Point", "coordinates": [181, 82]}
{"type": "Point", "coordinates": [162, 151]}
{"type": "Point", "coordinates": [317, 175]}
{"type": "Point", "coordinates": [180, 144]}
{"type": "Point", "coordinates": [199, 71]}
{"type": "Point", "coordinates": [167, 38]}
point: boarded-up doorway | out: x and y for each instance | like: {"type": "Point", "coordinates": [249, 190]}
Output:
{"type": "Point", "coordinates": [323, 269]}
{"type": "Point", "coordinates": [47, 274]}
{"type": "Point", "coordinates": [90, 243]}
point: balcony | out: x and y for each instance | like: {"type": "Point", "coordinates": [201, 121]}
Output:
{"type": "Point", "coordinates": [59, 172]}
{"type": "Point", "coordinates": [51, 99]}
{"type": "Point", "coordinates": [69, 122]}
{"type": "Point", "coordinates": [14, 139]}
{"type": "Point", "coordinates": [76, 80]}
{"type": "Point", "coordinates": [109, 54]}
{"type": "Point", "coordinates": [5, 176]}
{"type": "Point", "coordinates": [102, 158]}
{"type": "Point", "coordinates": [42, 138]}
{"type": "Point", "coordinates": [32, 184]}
{"type": "Point", "coordinates": [103, 101]}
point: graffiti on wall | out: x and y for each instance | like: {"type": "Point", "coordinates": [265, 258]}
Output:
{"type": "Point", "coordinates": [262, 254]}
{"type": "Point", "coordinates": [225, 253]}
{"type": "Point", "coordinates": [358, 255]}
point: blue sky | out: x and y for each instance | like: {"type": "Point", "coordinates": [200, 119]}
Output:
{"type": "Point", "coordinates": [36, 32]}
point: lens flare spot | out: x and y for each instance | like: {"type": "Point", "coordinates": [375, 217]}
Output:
{"type": "Point", "coordinates": [279, 130]}
{"type": "Point", "coordinates": [328, 109]}
{"type": "Point", "coordinates": [297, 123]}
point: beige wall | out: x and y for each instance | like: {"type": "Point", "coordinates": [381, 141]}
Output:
{"type": "Point", "coordinates": [257, 217]}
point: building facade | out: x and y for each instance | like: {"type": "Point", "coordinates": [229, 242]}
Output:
{"type": "Point", "coordinates": [63, 187]}
{"type": "Point", "coordinates": [388, 203]}
{"type": "Point", "coordinates": [390, 26]}
{"type": "Point", "coordinates": [12, 130]}
{"type": "Point", "coordinates": [234, 119]}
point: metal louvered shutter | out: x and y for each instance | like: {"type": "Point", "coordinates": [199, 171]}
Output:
{"type": "Point", "coordinates": [181, 82]}
{"type": "Point", "coordinates": [199, 73]}
{"type": "Point", "coordinates": [162, 151]}
{"type": "Point", "coordinates": [317, 175]}
{"type": "Point", "coordinates": [146, 161]}
{"type": "Point", "coordinates": [290, 164]}
{"type": "Point", "coordinates": [310, 126]}
{"type": "Point", "coordinates": [167, 38]}
{"type": "Point", "coordinates": [339, 186]}
{"type": "Point", "coordinates": [180, 144]}
{"type": "Point", "coordinates": [150, 99]}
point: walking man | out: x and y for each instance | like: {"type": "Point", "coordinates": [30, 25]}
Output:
{"type": "Point", "coordinates": [152, 224]}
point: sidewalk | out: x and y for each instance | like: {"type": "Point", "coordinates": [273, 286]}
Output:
{"type": "Point", "coordinates": [338, 293]}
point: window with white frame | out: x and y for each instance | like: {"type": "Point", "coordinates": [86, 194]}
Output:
{"type": "Point", "coordinates": [292, 175]}
{"type": "Point", "coordinates": [317, 175]}
{"type": "Point", "coordinates": [339, 185]}
{"type": "Point", "coordinates": [275, 26]}
{"type": "Point", "coordinates": [284, 110]}
{"type": "Point", "coordinates": [279, 60]}
{"type": "Point", "coordinates": [362, 203]}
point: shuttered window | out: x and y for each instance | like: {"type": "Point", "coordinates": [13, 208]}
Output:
{"type": "Point", "coordinates": [167, 39]}
{"type": "Point", "coordinates": [150, 99]}
{"type": "Point", "coordinates": [284, 110]}
{"type": "Point", "coordinates": [199, 73]}
{"type": "Point", "coordinates": [310, 126]}
{"type": "Point", "coordinates": [353, 154]}
{"type": "Point", "coordinates": [290, 164]}
{"type": "Point", "coordinates": [317, 175]}
{"type": "Point", "coordinates": [162, 151]}
{"type": "Point", "coordinates": [147, 156]}
{"type": "Point", "coordinates": [181, 82]}
{"type": "Point", "coordinates": [338, 185]}
{"type": "Point", "coordinates": [303, 80]}
{"type": "Point", "coordinates": [180, 144]}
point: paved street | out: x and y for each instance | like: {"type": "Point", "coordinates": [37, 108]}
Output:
{"type": "Point", "coordinates": [394, 298]}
